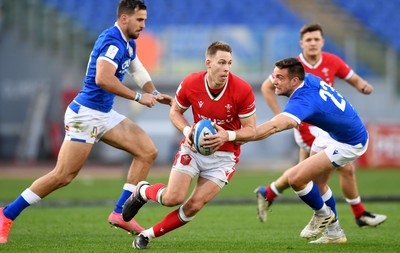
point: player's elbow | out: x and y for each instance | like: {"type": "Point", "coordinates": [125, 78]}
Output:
{"type": "Point", "coordinates": [101, 80]}
{"type": "Point", "coordinates": [265, 90]}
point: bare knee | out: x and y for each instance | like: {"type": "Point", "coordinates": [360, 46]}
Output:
{"type": "Point", "coordinates": [149, 154]}
{"type": "Point", "coordinates": [192, 207]}
{"type": "Point", "coordinates": [65, 180]}
{"type": "Point", "coordinates": [347, 170]}
{"type": "Point", "coordinates": [172, 199]}
{"type": "Point", "coordinates": [294, 182]}
{"type": "Point", "coordinates": [62, 179]}
{"type": "Point", "coordinates": [153, 153]}
{"type": "Point", "coordinates": [293, 179]}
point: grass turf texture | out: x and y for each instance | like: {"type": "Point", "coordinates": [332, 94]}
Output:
{"type": "Point", "coordinates": [217, 228]}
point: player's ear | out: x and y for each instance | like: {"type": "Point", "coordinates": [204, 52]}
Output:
{"type": "Point", "coordinates": [124, 19]}
{"type": "Point", "coordinates": [207, 63]}
{"type": "Point", "coordinates": [295, 80]}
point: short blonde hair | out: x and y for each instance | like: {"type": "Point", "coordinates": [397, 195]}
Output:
{"type": "Point", "coordinates": [218, 46]}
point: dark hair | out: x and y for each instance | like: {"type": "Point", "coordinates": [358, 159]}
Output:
{"type": "Point", "coordinates": [294, 66]}
{"type": "Point", "coordinates": [130, 6]}
{"type": "Point", "coordinates": [218, 46]}
{"type": "Point", "coordinates": [310, 28]}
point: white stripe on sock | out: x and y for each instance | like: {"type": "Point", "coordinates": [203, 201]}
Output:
{"type": "Point", "coordinates": [30, 196]}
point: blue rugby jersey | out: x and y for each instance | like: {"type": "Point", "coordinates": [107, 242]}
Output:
{"type": "Point", "coordinates": [112, 46]}
{"type": "Point", "coordinates": [317, 103]}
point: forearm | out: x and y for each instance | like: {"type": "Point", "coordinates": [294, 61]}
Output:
{"type": "Point", "coordinates": [360, 84]}
{"type": "Point", "coordinates": [180, 123]}
{"type": "Point", "coordinates": [149, 87]}
{"type": "Point", "coordinates": [265, 130]}
{"type": "Point", "coordinates": [177, 118]}
{"type": "Point", "coordinates": [114, 86]}
{"type": "Point", "coordinates": [245, 133]}
{"type": "Point", "coordinates": [277, 124]}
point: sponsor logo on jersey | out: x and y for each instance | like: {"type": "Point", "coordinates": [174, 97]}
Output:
{"type": "Point", "coordinates": [112, 52]}
{"type": "Point", "coordinates": [125, 67]}
{"type": "Point", "coordinates": [218, 121]}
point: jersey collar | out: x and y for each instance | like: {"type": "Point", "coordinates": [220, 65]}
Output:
{"type": "Point", "coordinates": [305, 62]}
{"type": "Point", "coordinates": [122, 35]}
{"type": "Point", "coordinates": [301, 85]}
{"type": "Point", "coordinates": [212, 97]}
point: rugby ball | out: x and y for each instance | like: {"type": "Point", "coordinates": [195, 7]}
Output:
{"type": "Point", "coordinates": [202, 128]}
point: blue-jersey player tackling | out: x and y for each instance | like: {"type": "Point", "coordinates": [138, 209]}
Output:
{"type": "Point", "coordinates": [345, 139]}
{"type": "Point", "coordinates": [327, 66]}
{"type": "Point", "coordinates": [90, 118]}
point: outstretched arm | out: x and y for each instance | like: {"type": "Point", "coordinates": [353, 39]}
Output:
{"type": "Point", "coordinates": [143, 80]}
{"type": "Point", "coordinates": [177, 118]}
{"type": "Point", "coordinates": [106, 79]}
{"type": "Point", "coordinates": [161, 97]}
{"type": "Point", "coordinates": [277, 124]}
{"type": "Point", "coordinates": [360, 84]}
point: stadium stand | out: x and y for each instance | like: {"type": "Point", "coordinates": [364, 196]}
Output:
{"type": "Point", "coordinates": [91, 14]}
{"type": "Point", "coordinates": [380, 17]}
{"type": "Point", "coordinates": [97, 15]}
{"type": "Point", "coordinates": [94, 14]}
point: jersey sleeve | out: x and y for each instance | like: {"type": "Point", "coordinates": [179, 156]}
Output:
{"type": "Point", "coordinates": [298, 109]}
{"type": "Point", "coordinates": [247, 106]}
{"type": "Point", "coordinates": [112, 51]}
{"type": "Point", "coordinates": [343, 70]}
{"type": "Point", "coordinates": [181, 97]}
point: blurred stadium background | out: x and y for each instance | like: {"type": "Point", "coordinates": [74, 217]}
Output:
{"type": "Point", "coordinates": [45, 45]}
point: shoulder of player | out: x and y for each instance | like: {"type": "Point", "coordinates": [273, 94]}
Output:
{"type": "Point", "coordinates": [112, 36]}
{"type": "Point", "coordinates": [311, 82]}
{"type": "Point", "coordinates": [330, 57]}
{"type": "Point", "coordinates": [312, 79]}
{"type": "Point", "coordinates": [196, 77]}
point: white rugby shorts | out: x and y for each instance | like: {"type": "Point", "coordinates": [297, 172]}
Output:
{"type": "Point", "coordinates": [309, 135]}
{"type": "Point", "coordinates": [218, 167]}
{"type": "Point", "coordinates": [83, 124]}
{"type": "Point", "coordinates": [338, 153]}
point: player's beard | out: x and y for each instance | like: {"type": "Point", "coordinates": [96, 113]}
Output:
{"type": "Point", "coordinates": [279, 92]}
{"type": "Point", "coordinates": [134, 36]}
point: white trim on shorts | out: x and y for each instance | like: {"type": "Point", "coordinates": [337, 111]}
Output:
{"type": "Point", "coordinates": [338, 153]}
{"type": "Point", "coordinates": [217, 167]}
{"type": "Point", "coordinates": [88, 125]}
{"type": "Point", "coordinates": [299, 138]}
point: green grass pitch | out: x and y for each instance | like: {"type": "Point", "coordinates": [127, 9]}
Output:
{"type": "Point", "coordinates": [228, 224]}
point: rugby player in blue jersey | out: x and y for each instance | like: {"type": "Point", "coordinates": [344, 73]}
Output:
{"type": "Point", "coordinates": [313, 100]}
{"type": "Point", "coordinates": [90, 118]}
